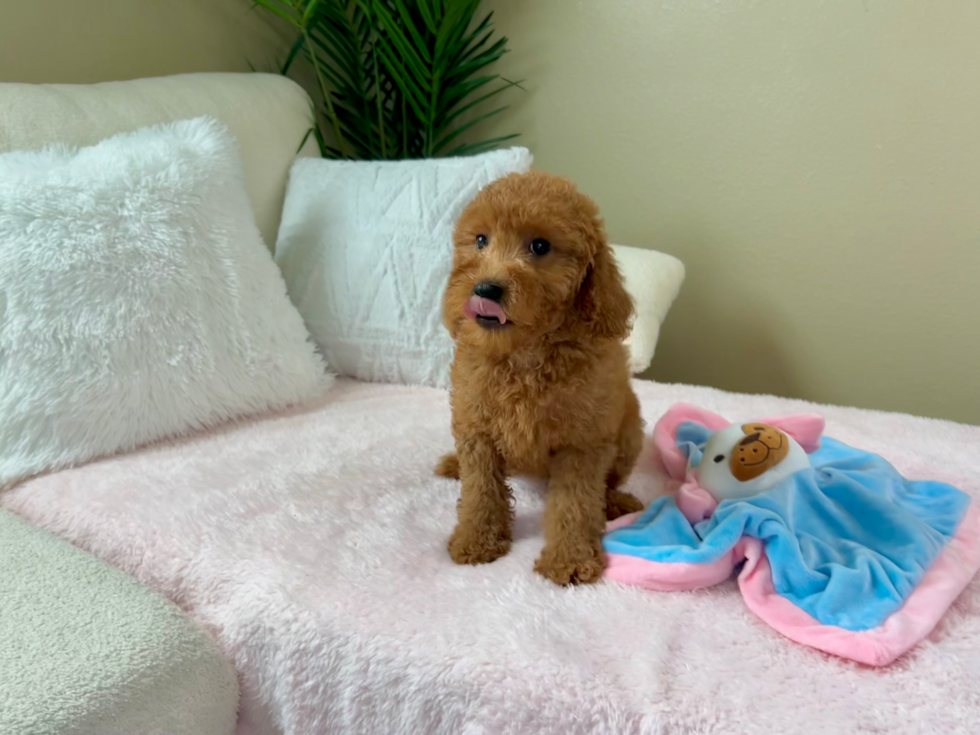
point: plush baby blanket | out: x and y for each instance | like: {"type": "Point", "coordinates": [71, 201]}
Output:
{"type": "Point", "coordinates": [844, 555]}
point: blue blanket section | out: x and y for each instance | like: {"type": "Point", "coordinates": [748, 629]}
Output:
{"type": "Point", "coordinates": [847, 541]}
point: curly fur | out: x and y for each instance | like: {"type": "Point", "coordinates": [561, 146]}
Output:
{"type": "Point", "coordinates": [548, 393]}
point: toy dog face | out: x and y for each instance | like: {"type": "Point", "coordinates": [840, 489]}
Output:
{"type": "Point", "coordinates": [744, 460]}
{"type": "Point", "coordinates": [762, 449]}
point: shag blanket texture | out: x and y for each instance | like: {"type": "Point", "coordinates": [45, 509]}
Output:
{"type": "Point", "coordinates": [312, 546]}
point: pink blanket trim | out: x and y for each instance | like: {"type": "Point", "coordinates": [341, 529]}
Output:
{"type": "Point", "coordinates": [907, 626]}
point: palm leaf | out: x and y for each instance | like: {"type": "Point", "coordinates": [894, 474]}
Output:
{"type": "Point", "coordinates": [469, 105]}
{"type": "Point", "coordinates": [420, 45]}
{"type": "Point", "coordinates": [291, 56]}
{"type": "Point", "coordinates": [394, 35]}
{"type": "Point", "coordinates": [396, 78]}
{"type": "Point", "coordinates": [426, 11]}
{"type": "Point", "coordinates": [463, 128]}
{"type": "Point", "coordinates": [284, 10]}
{"type": "Point", "coordinates": [472, 149]}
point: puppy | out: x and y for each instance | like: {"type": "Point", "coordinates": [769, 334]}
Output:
{"type": "Point", "coordinates": [540, 384]}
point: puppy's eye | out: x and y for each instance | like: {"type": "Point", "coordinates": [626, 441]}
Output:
{"type": "Point", "coordinates": [719, 458]}
{"type": "Point", "coordinates": [540, 246]}
{"type": "Point", "coordinates": [481, 242]}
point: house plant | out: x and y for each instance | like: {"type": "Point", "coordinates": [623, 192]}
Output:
{"type": "Point", "coordinates": [397, 78]}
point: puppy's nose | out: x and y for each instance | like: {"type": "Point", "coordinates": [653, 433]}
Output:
{"type": "Point", "coordinates": [489, 290]}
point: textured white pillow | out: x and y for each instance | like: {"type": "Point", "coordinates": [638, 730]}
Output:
{"type": "Point", "coordinates": [137, 300]}
{"type": "Point", "coordinates": [366, 249]}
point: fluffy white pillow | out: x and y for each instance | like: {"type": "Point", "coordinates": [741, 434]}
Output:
{"type": "Point", "coordinates": [137, 299]}
{"type": "Point", "coordinates": [366, 249]}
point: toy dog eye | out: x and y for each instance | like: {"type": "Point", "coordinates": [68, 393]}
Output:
{"type": "Point", "coordinates": [719, 458]}
{"type": "Point", "coordinates": [540, 246]}
{"type": "Point", "coordinates": [481, 242]}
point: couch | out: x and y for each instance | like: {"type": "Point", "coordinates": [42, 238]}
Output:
{"type": "Point", "coordinates": [85, 648]}
{"type": "Point", "coordinates": [308, 548]}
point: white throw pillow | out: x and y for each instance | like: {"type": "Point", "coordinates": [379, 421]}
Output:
{"type": "Point", "coordinates": [137, 299]}
{"type": "Point", "coordinates": [653, 279]}
{"type": "Point", "coordinates": [366, 249]}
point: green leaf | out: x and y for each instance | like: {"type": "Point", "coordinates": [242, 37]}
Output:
{"type": "Point", "coordinates": [460, 110]}
{"type": "Point", "coordinates": [480, 62]}
{"type": "Point", "coordinates": [305, 138]}
{"type": "Point", "coordinates": [291, 57]}
{"type": "Point", "coordinates": [463, 128]}
{"type": "Point", "coordinates": [418, 43]}
{"type": "Point", "coordinates": [451, 21]}
{"type": "Point", "coordinates": [395, 78]}
{"type": "Point", "coordinates": [344, 64]}
{"type": "Point", "coordinates": [467, 53]}
{"type": "Point", "coordinates": [320, 141]}
{"type": "Point", "coordinates": [310, 10]}
{"type": "Point", "coordinates": [458, 92]}
{"type": "Point", "coordinates": [395, 37]}
{"type": "Point", "coordinates": [427, 16]}
{"type": "Point", "coordinates": [276, 8]}
{"type": "Point", "coordinates": [328, 72]}
{"type": "Point", "coordinates": [405, 83]}
{"type": "Point", "coordinates": [486, 145]}
{"type": "Point", "coordinates": [515, 84]}
{"type": "Point", "coordinates": [468, 46]}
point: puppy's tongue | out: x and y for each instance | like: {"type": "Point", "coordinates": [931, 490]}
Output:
{"type": "Point", "coordinates": [478, 306]}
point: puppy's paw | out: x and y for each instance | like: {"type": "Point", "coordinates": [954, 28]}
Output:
{"type": "Point", "coordinates": [619, 504]}
{"type": "Point", "coordinates": [448, 467]}
{"type": "Point", "coordinates": [478, 545]}
{"type": "Point", "coordinates": [578, 564]}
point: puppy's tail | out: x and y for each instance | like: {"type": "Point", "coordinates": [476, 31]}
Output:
{"type": "Point", "coordinates": [448, 467]}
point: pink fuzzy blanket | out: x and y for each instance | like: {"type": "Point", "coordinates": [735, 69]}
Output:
{"type": "Point", "coordinates": [311, 545]}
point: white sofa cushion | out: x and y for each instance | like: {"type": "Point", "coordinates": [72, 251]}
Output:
{"type": "Point", "coordinates": [366, 249]}
{"type": "Point", "coordinates": [268, 115]}
{"type": "Point", "coordinates": [137, 300]}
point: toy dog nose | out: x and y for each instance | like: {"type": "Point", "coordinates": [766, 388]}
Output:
{"type": "Point", "coordinates": [488, 290]}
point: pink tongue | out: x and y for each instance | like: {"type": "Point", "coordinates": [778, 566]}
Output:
{"type": "Point", "coordinates": [486, 308]}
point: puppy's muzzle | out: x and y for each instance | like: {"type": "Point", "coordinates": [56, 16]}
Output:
{"type": "Point", "coordinates": [484, 305]}
{"type": "Point", "coordinates": [489, 290]}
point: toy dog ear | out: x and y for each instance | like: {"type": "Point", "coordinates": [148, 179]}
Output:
{"type": "Point", "coordinates": [698, 423]}
{"type": "Point", "coordinates": [805, 428]}
{"type": "Point", "coordinates": [603, 302]}
{"type": "Point", "coordinates": [691, 438]}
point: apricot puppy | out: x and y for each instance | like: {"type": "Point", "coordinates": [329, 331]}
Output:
{"type": "Point", "coordinates": [540, 383]}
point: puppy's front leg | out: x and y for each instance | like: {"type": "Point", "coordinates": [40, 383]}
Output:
{"type": "Point", "coordinates": [484, 514]}
{"type": "Point", "coordinates": [575, 516]}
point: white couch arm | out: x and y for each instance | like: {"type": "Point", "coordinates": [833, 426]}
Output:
{"type": "Point", "coordinates": [653, 279]}
{"type": "Point", "coordinates": [86, 649]}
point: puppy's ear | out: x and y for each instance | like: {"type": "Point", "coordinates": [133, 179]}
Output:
{"type": "Point", "coordinates": [603, 303]}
